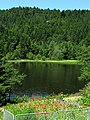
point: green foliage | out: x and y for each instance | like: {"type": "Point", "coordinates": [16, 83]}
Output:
{"type": "Point", "coordinates": [85, 99]}
{"type": "Point", "coordinates": [38, 57]}
{"type": "Point", "coordinates": [30, 56]}
{"type": "Point", "coordinates": [43, 58]}
{"type": "Point", "coordinates": [8, 79]}
{"type": "Point", "coordinates": [84, 56]}
{"type": "Point", "coordinates": [17, 99]}
{"type": "Point", "coordinates": [85, 73]}
{"type": "Point", "coordinates": [10, 56]}
{"type": "Point", "coordinates": [27, 32]}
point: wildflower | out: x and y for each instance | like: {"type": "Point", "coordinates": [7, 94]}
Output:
{"type": "Point", "coordinates": [38, 112]}
{"type": "Point", "coordinates": [44, 106]}
{"type": "Point", "coordinates": [61, 104]}
{"type": "Point", "coordinates": [69, 105]}
{"type": "Point", "coordinates": [37, 105]}
{"type": "Point", "coordinates": [17, 107]}
{"type": "Point", "coordinates": [57, 104]}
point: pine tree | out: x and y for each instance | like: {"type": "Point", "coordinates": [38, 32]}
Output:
{"type": "Point", "coordinates": [9, 77]}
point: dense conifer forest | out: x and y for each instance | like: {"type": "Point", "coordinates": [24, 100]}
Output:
{"type": "Point", "coordinates": [33, 33]}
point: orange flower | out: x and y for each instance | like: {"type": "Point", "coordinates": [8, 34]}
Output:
{"type": "Point", "coordinates": [69, 105]}
{"type": "Point", "coordinates": [61, 104]}
{"type": "Point", "coordinates": [56, 104]}
{"type": "Point", "coordinates": [37, 105]}
{"type": "Point", "coordinates": [44, 106]}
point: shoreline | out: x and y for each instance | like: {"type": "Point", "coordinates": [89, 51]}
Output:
{"type": "Point", "coordinates": [47, 61]}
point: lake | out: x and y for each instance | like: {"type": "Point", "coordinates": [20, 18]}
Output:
{"type": "Point", "coordinates": [46, 78]}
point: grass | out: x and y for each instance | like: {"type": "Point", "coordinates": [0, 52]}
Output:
{"type": "Point", "coordinates": [48, 61]}
{"type": "Point", "coordinates": [62, 115]}
{"type": "Point", "coordinates": [1, 115]}
{"type": "Point", "coordinates": [75, 115]}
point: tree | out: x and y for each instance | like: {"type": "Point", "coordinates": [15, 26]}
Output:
{"type": "Point", "coordinates": [38, 57]}
{"type": "Point", "coordinates": [85, 59]}
{"type": "Point", "coordinates": [24, 30]}
{"type": "Point", "coordinates": [8, 79]}
{"type": "Point", "coordinates": [30, 56]}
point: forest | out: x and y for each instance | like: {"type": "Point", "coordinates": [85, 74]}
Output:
{"type": "Point", "coordinates": [43, 34]}
{"type": "Point", "coordinates": [33, 33]}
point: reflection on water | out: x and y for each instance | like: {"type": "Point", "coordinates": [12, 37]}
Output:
{"type": "Point", "coordinates": [47, 78]}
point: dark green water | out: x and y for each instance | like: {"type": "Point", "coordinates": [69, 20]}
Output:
{"type": "Point", "coordinates": [47, 78]}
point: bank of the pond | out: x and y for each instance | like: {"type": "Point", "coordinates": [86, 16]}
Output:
{"type": "Point", "coordinates": [47, 104]}
{"type": "Point", "coordinates": [50, 104]}
{"type": "Point", "coordinates": [48, 61]}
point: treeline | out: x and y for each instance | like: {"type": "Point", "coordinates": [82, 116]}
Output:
{"type": "Point", "coordinates": [35, 33]}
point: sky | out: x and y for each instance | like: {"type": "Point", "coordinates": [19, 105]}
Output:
{"type": "Point", "coordinates": [44, 4]}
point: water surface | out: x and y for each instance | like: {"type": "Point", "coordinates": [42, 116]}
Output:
{"type": "Point", "coordinates": [47, 78]}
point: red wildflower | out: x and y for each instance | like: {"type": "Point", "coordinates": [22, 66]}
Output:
{"type": "Point", "coordinates": [44, 106]}
{"type": "Point", "coordinates": [56, 104]}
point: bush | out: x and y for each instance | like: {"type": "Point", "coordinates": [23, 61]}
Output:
{"type": "Point", "coordinates": [43, 58]}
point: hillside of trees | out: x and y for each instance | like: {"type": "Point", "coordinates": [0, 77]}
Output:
{"type": "Point", "coordinates": [33, 33]}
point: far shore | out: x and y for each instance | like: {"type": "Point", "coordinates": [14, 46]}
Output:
{"type": "Point", "coordinates": [47, 61]}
